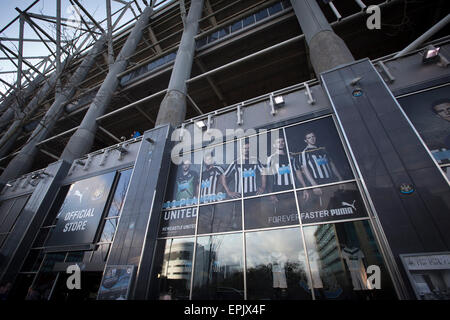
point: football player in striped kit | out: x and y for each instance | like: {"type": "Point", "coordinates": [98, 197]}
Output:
{"type": "Point", "coordinates": [316, 163]}
{"type": "Point", "coordinates": [279, 169]}
{"type": "Point", "coordinates": [248, 175]}
{"type": "Point", "coordinates": [211, 181]}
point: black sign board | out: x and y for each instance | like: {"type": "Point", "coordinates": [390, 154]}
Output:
{"type": "Point", "coordinates": [81, 212]}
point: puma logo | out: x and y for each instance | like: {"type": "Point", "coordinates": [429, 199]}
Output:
{"type": "Point", "coordinates": [349, 205]}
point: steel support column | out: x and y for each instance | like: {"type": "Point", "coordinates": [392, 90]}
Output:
{"type": "Point", "coordinates": [24, 160]}
{"type": "Point", "coordinates": [82, 140]}
{"type": "Point", "coordinates": [173, 106]}
{"type": "Point", "coordinates": [9, 138]}
{"type": "Point", "coordinates": [327, 50]}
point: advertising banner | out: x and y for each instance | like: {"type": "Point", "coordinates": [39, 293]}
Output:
{"type": "Point", "coordinates": [178, 222]}
{"type": "Point", "coordinates": [429, 112]}
{"type": "Point", "coordinates": [82, 211]}
{"type": "Point", "coordinates": [116, 283]}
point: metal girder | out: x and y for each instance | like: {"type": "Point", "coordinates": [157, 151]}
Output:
{"type": "Point", "coordinates": [15, 55]}
{"type": "Point", "coordinates": [89, 15]}
{"type": "Point", "coordinates": [27, 40]}
{"type": "Point", "coordinates": [211, 82]}
{"type": "Point", "coordinates": [209, 10]}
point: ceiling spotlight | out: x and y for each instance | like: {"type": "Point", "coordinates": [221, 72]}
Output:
{"type": "Point", "coordinates": [9, 185]}
{"type": "Point", "coordinates": [201, 124]}
{"type": "Point", "coordinates": [79, 162]}
{"type": "Point", "coordinates": [276, 102]}
{"type": "Point", "coordinates": [279, 101]}
{"type": "Point", "coordinates": [431, 54]}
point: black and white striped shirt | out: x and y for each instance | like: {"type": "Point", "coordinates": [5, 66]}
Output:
{"type": "Point", "coordinates": [210, 179]}
{"type": "Point", "coordinates": [250, 172]}
{"type": "Point", "coordinates": [278, 166]}
{"type": "Point", "coordinates": [317, 161]}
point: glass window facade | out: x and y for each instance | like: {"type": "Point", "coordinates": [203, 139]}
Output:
{"type": "Point", "coordinates": [277, 215]}
{"type": "Point", "coordinates": [40, 265]}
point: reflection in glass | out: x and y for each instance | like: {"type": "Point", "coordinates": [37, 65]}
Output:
{"type": "Point", "coordinates": [218, 272]}
{"type": "Point", "coordinates": [174, 271]}
{"type": "Point", "coordinates": [120, 192]}
{"type": "Point", "coordinates": [276, 267]}
{"type": "Point", "coordinates": [336, 202]}
{"type": "Point", "coordinates": [108, 230]}
{"type": "Point", "coordinates": [220, 217]}
{"type": "Point", "coordinates": [271, 211]}
{"type": "Point", "coordinates": [339, 255]}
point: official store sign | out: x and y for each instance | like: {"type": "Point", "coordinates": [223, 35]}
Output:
{"type": "Point", "coordinates": [82, 211]}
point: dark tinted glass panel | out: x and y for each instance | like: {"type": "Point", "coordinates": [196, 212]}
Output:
{"type": "Point", "coordinates": [101, 253]}
{"type": "Point", "coordinates": [120, 192]}
{"type": "Point", "coordinates": [57, 204]}
{"type": "Point", "coordinates": [109, 230]}
{"type": "Point", "coordinates": [178, 222]}
{"type": "Point", "coordinates": [183, 184]}
{"type": "Point", "coordinates": [337, 202]}
{"type": "Point", "coordinates": [51, 259]}
{"type": "Point", "coordinates": [276, 265]}
{"type": "Point", "coordinates": [317, 153]}
{"type": "Point", "coordinates": [10, 220]}
{"type": "Point", "coordinates": [275, 8]}
{"type": "Point", "coordinates": [5, 206]}
{"type": "Point", "coordinates": [218, 273]}
{"type": "Point", "coordinates": [32, 262]}
{"type": "Point", "coordinates": [213, 37]}
{"type": "Point", "coordinates": [174, 268]}
{"type": "Point", "coordinates": [236, 26]}
{"type": "Point", "coordinates": [40, 239]}
{"type": "Point", "coordinates": [261, 14]}
{"type": "Point", "coordinates": [339, 256]}
{"type": "Point", "coordinates": [220, 217]}
{"type": "Point", "coordinates": [271, 211]}
{"type": "Point", "coordinates": [248, 21]}
{"type": "Point", "coordinates": [2, 238]}
{"type": "Point", "coordinates": [76, 256]}
{"type": "Point", "coordinates": [42, 286]}
{"type": "Point", "coordinates": [223, 32]}
{"type": "Point", "coordinates": [21, 286]}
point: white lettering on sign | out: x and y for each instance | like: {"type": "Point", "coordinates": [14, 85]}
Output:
{"type": "Point", "coordinates": [428, 262]}
{"type": "Point", "coordinates": [180, 214]}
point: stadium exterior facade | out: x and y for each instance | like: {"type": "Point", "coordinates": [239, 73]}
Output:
{"type": "Point", "coordinates": [312, 154]}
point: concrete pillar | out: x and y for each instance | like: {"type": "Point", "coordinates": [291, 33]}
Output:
{"type": "Point", "coordinates": [15, 100]}
{"type": "Point", "coordinates": [82, 140]}
{"type": "Point", "coordinates": [24, 160]}
{"type": "Point", "coordinates": [13, 132]}
{"type": "Point", "coordinates": [326, 49]}
{"type": "Point", "coordinates": [173, 106]}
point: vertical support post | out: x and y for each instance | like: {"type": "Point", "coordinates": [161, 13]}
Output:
{"type": "Point", "coordinates": [173, 106]}
{"type": "Point", "coordinates": [327, 49]}
{"type": "Point", "coordinates": [19, 62]}
{"type": "Point", "coordinates": [58, 46]}
{"type": "Point", "coordinates": [82, 140]}
{"type": "Point", "coordinates": [109, 33]}
{"type": "Point", "coordinates": [24, 160]}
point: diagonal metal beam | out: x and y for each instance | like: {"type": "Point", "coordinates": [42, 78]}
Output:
{"type": "Point", "coordinates": [89, 16]}
{"type": "Point", "coordinates": [211, 82]}
{"type": "Point", "coordinates": [17, 57]}
{"type": "Point", "coordinates": [210, 12]}
{"type": "Point", "coordinates": [32, 23]}
{"type": "Point", "coordinates": [84, 21]}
